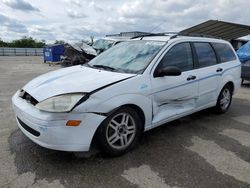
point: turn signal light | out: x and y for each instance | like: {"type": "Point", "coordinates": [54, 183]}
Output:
{"type": "Point", "coordinates": [73, 123]}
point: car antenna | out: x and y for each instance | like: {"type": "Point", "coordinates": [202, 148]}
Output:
{"type": "Point", "coordinates": [154, 28]}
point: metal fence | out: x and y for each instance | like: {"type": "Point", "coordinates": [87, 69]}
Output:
{"type": "Point", "coordinates": [21, 52]}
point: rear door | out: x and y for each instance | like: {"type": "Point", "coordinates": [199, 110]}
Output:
{"type": "Point", "coordinates": [208, 72]}
{"type": "Point", "coordinates": [228, 63]}
{"type": "Point", "coordinates": [175, 95]}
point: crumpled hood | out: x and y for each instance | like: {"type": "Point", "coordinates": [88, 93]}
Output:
{"type": "Point", "coordinates": [71, 80]}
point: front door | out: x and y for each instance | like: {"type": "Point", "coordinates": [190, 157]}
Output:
{"type": "Point", "coordinates": [175, 95]}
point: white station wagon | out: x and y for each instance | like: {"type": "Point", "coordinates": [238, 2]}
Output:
{"type": "Point", "coordinates": [131, 88]}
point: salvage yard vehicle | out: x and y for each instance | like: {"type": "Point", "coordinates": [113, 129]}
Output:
{"type": "Point", "coordinates": [245, 71]}
{"type": "Point", "coordinates": [77, 54]}
{"type": "Point", "coordinates": [103, 44]}
{"type": "Point", "coordinates": [244, 55]}
{"type": "Point", "coordinates": [131, 88]}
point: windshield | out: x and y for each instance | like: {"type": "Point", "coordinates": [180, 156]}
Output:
{"type": "Point", "coordinates": [128, 57]}
{"type": "Point", "coordinates": [102, 44]}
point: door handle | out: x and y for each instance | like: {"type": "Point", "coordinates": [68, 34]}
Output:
{"type": "Point", "coordinates": [219, 70]}
{"type": "Point", "coordinates": [191, 77]}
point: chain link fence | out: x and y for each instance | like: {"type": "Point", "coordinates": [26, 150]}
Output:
{"type": "Point", "coordinates": [21, 51]}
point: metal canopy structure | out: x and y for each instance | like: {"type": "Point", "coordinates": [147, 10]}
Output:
{"type": "Point", "coordinates": [219, 29]}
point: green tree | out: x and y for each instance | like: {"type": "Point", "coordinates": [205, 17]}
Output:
{"type": "Point", "coordinates": [25, 42]}
{"type": "Point", "coordinates": [2, 43]}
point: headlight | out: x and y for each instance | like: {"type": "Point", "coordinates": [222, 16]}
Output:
{"type": "Point", "coordinates": [60, 103]}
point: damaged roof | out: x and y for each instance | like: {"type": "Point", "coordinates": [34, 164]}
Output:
{"type": "Point", "coordinates": [219, 29]}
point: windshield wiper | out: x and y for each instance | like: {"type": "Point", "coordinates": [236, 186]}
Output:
{"type": "Point", "coordinates": [104, 67]}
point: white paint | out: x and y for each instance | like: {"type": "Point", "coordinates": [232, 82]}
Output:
{"type": "Point", "coordinates": [242, 137]}
{"type": "Point", "coordinates": [243, 119]}
{"type": "Point", "coordinates": [88, 79]}
{"type": "Point", "coordinates": [144, 177]}
{"type": "Point", "coordinates": [166, 97]}
{"type": "Point", "coordinates": [224, 161]}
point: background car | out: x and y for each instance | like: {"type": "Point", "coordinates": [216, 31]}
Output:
{"type": "Point", "coordinates": [244, 55]}
{"type": "Point", "coordinates": [77, 54]}
{"type": "Point", "coordinates": [103, 44]}
{"type": "Point", "coordinates": [245, 71]}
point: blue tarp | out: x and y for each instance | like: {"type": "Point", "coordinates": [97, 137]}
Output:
{"type": "Point", "coordinates": [244, 52]}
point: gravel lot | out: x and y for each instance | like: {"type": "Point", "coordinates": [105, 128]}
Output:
{"type": "Point", "coordinates": [201, 150]}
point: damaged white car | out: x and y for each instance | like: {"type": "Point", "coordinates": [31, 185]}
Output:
{"type": "Point", "coordinates": [130, 88]}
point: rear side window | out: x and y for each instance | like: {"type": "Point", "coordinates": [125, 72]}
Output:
{"type": "Point", "coordinates": [205, 53]}
{"type": "Point", "coordinates": [180, 56]}
{"type": "Point", "coordinates": [224, 52]}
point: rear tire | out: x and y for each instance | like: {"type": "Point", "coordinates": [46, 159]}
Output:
{"type": "Point", "coordinates": [120, 132]}
{"type": "Point", "coordinates": [224, 100]}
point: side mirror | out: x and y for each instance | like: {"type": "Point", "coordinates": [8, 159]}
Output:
{"type": "Point", "coordinates": [167, 71]}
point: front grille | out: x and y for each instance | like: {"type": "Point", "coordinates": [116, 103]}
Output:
{"type": "Point", "coordinates": [26, 96]}
{"type": "Point", "coordinates": [27, 128]}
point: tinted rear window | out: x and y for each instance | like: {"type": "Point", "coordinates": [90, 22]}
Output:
{"type": "Point", "coordinates": [224, 52]}
{"type": "Point", "coordinates": [205, 54]}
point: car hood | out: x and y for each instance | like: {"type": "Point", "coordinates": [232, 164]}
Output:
{"type": "Point", "coordinates": [71, 80]}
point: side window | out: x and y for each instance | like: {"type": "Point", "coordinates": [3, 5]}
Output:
{"type": "Point", "coordinates": [224, 52]}
{"type": "Point", "coordinates": [180, 56]}
{"type": "Point", "coordinates": [205, 54]}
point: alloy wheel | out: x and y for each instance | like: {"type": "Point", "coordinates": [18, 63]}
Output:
{"type": "Point", "coordinates": [121, 131]}
{"type": "Point", "coordinates": [225, 99]}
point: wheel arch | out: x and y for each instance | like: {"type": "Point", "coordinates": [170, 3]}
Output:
{"type": "Point", "coordinates": [134, 107]}
{"type": "Point", "coordinates": [231, 85]}
{"type": "Point", "coordinates": [139, 112]}
{"type": "Point", "coordinates": [218, 108]}
{"type": "Point", "coordinates": [229, 80]}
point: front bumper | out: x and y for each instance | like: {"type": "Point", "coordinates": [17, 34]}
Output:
{"type": "Point", "coordinates": [52, 129]}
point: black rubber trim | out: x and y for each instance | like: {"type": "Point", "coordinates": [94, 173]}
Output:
{"type": "Point", "coordinates": [195, 56]}
{"type": "Point", "coordinates": [26, 96]}
{"type": "Point", "coordinates": [29, 129]}
{"type": "Point", "coordinates": [96, 90]}
{"type": "Point", "coordinates": [107, 113]}
{"type": "Point", "coordinates": [218, 60]}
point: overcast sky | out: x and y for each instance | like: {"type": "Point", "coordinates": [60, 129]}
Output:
{"type": "Point", "coordinates": [73, 20]}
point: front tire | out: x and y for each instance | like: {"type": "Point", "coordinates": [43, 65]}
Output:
{"type": "Point", "coordinates": [120, 132]}
{"type": "Point", "coordinates": [224, 100]}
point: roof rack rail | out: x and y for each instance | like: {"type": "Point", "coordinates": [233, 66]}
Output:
{"type": "Point", "coordinates": [148, 35]}
{"type": "Point", "coordinates": [196, 35]}
{"type": "Point", "coordinates": [174, 35]}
